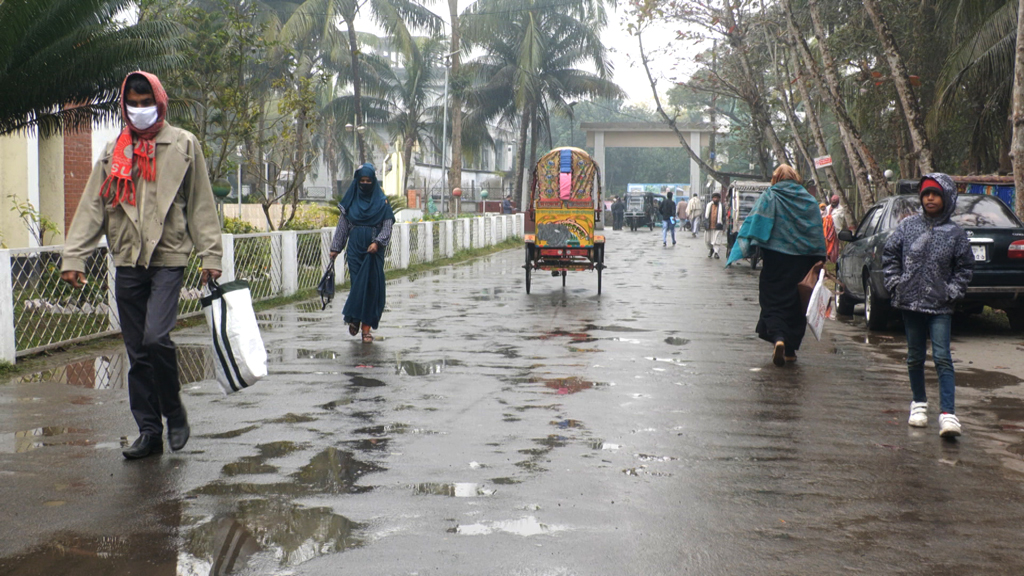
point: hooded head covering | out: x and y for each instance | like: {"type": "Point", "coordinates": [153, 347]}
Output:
{"type": "Point", "coordinates": [948, 191]}
{"type": "Point", "coordinates": [141, 153]}
{"type": "Point", "coordinates": [366, 207]}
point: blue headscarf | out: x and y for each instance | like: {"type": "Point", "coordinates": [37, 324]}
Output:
{"type": "Point", "coordinates": [786, 219]}
{"type": "Point", "coordinates": [366, 208]}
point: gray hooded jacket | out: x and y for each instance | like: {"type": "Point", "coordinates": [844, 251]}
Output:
{"type": "Point", "coordinates": [927, 261]}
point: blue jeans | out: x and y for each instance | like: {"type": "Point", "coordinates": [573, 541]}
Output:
{"type": "Point", "coordinates": [666, 226]}
{"type": "Point", "coordinates": [920, 327]}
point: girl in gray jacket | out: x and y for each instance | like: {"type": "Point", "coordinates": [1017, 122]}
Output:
{"type": "Point", "coordinates": [928, 264]}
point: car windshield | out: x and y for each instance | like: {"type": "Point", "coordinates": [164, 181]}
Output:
{"type": "Point", "coordinates": [972, 211]}
{"type": "Point", "coordinates": [635, 203]}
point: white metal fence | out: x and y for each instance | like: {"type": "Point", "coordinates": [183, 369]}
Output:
{"type": "Point", "coordinates": [38, 311]}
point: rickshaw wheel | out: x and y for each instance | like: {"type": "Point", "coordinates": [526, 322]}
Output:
{"type": "Point", "coordinates": [564, 274]}
{"type": "Point", "coordinates": [529, 266]}
{"type": "Point", "coordinates": [599, 281]}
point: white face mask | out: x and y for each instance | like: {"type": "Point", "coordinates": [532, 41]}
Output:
{"type": "Point", "coordinates": [142, 118]}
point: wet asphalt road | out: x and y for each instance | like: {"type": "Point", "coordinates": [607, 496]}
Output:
{"type": "Point", "coordinates": [642, 432]}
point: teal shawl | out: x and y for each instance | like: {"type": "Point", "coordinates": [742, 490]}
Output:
{"type": "Point", "coordinates": [798, 230]}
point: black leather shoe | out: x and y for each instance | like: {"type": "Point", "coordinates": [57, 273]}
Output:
{"type": "Point", "coordinates": [177, 434]}
{"type": "Point", "coordinates": [144, 445]}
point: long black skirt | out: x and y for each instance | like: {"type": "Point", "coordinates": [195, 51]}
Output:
{"type": "Point", "coordinates": [782, 312]}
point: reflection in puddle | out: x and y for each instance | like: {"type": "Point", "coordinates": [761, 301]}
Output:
{"type": "Point", "coordinates": [454, 489]}
{"type": "Point", "coordinates": [570, 385]}
{"type": "Point", "coordinates": [27, 440]}
{"type": "Point", "coordinates": [285, 532]}
{"type": "Point", "coordinates": [257, 464]}
{"type": "Point", "coordinates": [362, 381]}
{"type": "Point", "coordinates": [528, 526]}
{"type": "Point", "coordinates": [410, 368]}
{"type": "Point", "coordinates": [291, 418]}
{"type": "Point", "coordinates": [332, 471]}
{"type": "Point", "coordinates": [110, 371]}
{"type": "Point", "coordinates": [570, 423]}
{"type": "Point", "coordinates": [675, 341]}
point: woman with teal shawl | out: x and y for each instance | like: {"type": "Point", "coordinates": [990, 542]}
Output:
{"type": "Point", "coordinates": [365, 224]}
{"type": "Point", "coordinates": [785, 223]}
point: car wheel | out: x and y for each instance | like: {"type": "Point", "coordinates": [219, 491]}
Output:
{"type": "Point", "coordinates": [1016, 316]}
{"type": "Point", "coordinates": [876, 310]}
{"type": "Point", "coordinates": [844, 304]}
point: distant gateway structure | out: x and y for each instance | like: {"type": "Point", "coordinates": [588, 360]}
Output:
{"type": "Point", "coordinates": [603, 135]}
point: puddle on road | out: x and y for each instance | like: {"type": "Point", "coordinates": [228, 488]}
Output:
{"type": "Point", "coordinates": [410, 368]}
{"type": "Point", "coordinates": [569, 423]}
{"type": "Point", "coordinates": [258, 464]}
{"type": "Point", "coordinates": [28, 440]}
{"type": "Point", "coordinates": [613, 328]}
{"type": "Point", "coordinates": [360, 381]}
{"type": "Point", "coordinates": [528, 526]}
{"type": "Point", "coordinates": [570, 385]}
{"type": "Point", "coordinates": [270, 530]}
{"type": "Point", "coordinates": [453, 489]}
{"type": "Point", "coordinates": [110, 371]}
{"type": "Point", "coordinates": [574, 337]}
{"type": "Point", "coordinates": [291, 418]}
{"type": "Point", "coordinates": [675, 341]}
{"type": "Point", "coordinates": [331, 471]}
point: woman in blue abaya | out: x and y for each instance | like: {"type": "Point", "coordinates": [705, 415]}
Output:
{"type": "Point", "coordinates": [365, 224]}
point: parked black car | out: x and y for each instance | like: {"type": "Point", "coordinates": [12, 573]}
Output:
{"type": "Point", "coordinates": [997, 239]}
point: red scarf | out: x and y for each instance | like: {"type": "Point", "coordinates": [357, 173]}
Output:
{"type": "Point", "coordinates": [141, 153]}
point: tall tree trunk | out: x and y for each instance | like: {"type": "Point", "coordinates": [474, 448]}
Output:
{"type": "Point", "coordinates": [1005, 142]}
{"type": "Point", "coordinates": [839, 105]}
{"type": "Point", "coordinates": [794, 123]}
{"type": "Point", "coordinates": [455, 170]}
{"type": "Point", "coordinates": [524, 125]}
{"type": "Point", "coordinates": [407, 144]}
{"type": "Point", "coordinates": [353, 48]}
{"type": "Point", "coordinates": [752, 90]}
{"type": "Point", "coordinates": [1017, 147]}
{"type": "Point", "coordinates": [901, 79]}
{"type": "Point", "coordinates": [860, 171]}
{"type": "Point", "coordinates": [819, 138]}
{"type": "Point", "coordinates": [534, 135]}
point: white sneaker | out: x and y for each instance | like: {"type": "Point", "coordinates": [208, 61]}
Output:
{"type": "Point", "coordinates": [918, 414]}
{"type": "Point", "coordinates": [949, 425]}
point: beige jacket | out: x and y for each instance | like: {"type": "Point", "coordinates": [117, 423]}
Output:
{"type": "Point", "coordinates": [179, 212]}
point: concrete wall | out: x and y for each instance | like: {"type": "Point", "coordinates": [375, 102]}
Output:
{"type": "Point", "coordinates": [14, 182]}
{"type": "Point", "coordinates": [51, 185]}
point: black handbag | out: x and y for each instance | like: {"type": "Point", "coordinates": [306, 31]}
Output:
{"type": "Point", "coordinates": [326, 286]}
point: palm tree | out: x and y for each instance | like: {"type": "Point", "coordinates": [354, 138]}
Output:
{"type": "Point", "coordinates": [978, 74]}
{"type": "Point", "coordinates": [531, 68]}
{"type": "Point", "coordinates": [62, 61]}
{"type": "Point", "coordinates": [319, 19]}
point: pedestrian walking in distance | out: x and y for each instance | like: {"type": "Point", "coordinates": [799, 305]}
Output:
{"type": "Point", "coordinates": [149, 193]}
{"type": "Point", "coordinates": [618, 213]}
{"type": "Point", "coordinates": [667, 211]}
{"type": "Point", "coordinates": [928, 263]}
{"type": "Point", "coordinates": [695, 210]}
{"type": "Point", "coordinates": [714, 233]}
{"type": "Point", "coordinates": [786, 224]}
{"type": "Point", "coordinates": [681, 213]}
{"type": "Point", "coordinates": [365, 225]}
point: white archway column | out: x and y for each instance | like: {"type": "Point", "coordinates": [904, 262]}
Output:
{"type": "Point", "coordinates": [696, 178]}
{"type": "Point", "coordinates": [599, 157]}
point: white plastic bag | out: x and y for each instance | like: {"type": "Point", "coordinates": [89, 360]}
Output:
{"type": "Point", "coordinates": [239, 356]}
{"type": "Point", "coordinates": [817, 308]}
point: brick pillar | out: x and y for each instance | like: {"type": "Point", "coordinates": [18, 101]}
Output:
{"type": "Point", "coordinates": [77, 167]}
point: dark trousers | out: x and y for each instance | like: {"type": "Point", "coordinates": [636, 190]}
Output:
{"type": "Point", "coordinates": [783, 314]}
{"type": "Point", "coordinates": [147, 302]}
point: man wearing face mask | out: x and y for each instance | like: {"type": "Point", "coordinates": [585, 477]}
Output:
{"type": "Point", "coordinates": [149, 193]}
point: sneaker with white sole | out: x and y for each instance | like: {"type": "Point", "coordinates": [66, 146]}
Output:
{"type": "Point", "coordinates": [918, 414]}
{"type": "Point", "coordinates": [949, 425]}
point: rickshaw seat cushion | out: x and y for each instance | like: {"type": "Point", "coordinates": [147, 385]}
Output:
{"type": "Point", "coordinates": [565, 186]}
